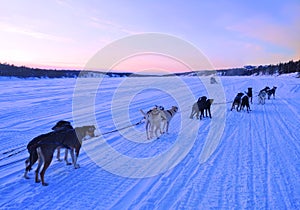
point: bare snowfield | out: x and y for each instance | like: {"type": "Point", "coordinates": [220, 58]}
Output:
{"type": "Point", "coordinates": [236, 160]}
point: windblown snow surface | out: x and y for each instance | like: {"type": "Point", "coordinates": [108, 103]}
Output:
{"type": "Point", "coordinates": [236, 160]}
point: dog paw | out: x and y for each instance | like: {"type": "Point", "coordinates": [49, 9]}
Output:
{"type": "Point", "coordinates": [45, 184]}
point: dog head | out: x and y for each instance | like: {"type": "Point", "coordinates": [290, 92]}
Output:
{"type": "Point", "coordinates": [154, 111]}
{"type": "Point", "coordinates": [239, 95]}
{"type": "Point", "coordinates": [62, 124]}
{"type": "Point", "coordinates": [175, 108]}
{"type": "Point", "coordinates": [160, 107]}
{"type": "Point", "coordinates": [89, 130]}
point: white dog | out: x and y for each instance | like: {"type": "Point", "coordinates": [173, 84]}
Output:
{"type": "Point", "coordinates": [262, 97]}
{"type": "Point", "coordinates": [169, 114]}
{"type": "Point", "coordinates": [154, 119]}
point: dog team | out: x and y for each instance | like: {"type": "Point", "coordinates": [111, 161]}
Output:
{"type": "Point", "coordinates": [266, 92]}
{"type": "Point", "coordinates": [157, 121]}
{"type": "Point", "coordinates": [42, 147]}
{"type": "Point", "coordinates": [243, 100]}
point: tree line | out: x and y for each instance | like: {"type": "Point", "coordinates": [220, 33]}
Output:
{"type": "Point", "coordinates": [10, 70]}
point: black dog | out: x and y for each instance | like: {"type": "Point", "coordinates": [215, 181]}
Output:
{"type": "Point", "coordinates": [201, 105]}
{"type": "Point", "coordinates": [245, 103]}
{"type": "Point", "coordinates": [249, 94]}
{"type": "Point", "coordinates": [271, 92]}
{"type": "Point", "coordinates": [207, 106]}
{"type": "Point", "coordinates": [237, 102]}
{"type": "Point", "coordinates": [265, 89]}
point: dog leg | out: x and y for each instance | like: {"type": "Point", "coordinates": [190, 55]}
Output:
{"type": "Point", "coordinates": [46, 165]}
{"type": "Point", "coordinates": [197, 115]}
{"type": "Point", "coordinates": [156, 132]}
{"type": "Point", "coordinates": [201, 114]}
{"type": "Point", "coordinates": [58, 154]}
{"type": "Point", "coordinates": [192, 115]}
{"type": "Point", "coordinates": [40, 163]}
{"type": "Point", "coordinates": [167, 129]}
{"type": "Point", "coordinates": [25, 173]}
{"type": "Point", "coordinates": [27, 162]}
{"type": "Point", "coordinates": [193, 112]}
{"type": "Point", "coordinates": [66, 157]}
{"type": "Point", "coordinates": [74, 159]}
{"type": "Point", "coordinates": [148, 130]}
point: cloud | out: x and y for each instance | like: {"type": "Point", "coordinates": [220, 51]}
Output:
{"type": "Point", "coordinates": [32, 33]}
{"type": "Point", "coordinates": [284, 35]}
{"type": "Point", "coordinates": [109, 25]}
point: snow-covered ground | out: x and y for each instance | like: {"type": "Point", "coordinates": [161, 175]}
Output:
{"type": "Point", "coordinates": [236, 160]}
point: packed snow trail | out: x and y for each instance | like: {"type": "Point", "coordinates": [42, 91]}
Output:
{"type": "Point", "coordinates": [256, 165]}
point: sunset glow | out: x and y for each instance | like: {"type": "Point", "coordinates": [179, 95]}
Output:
{"type": "Point", "coordinates": [65, 34]}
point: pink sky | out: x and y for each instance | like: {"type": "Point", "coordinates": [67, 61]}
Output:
{"type": "Point", "coordinates": [65, 34]}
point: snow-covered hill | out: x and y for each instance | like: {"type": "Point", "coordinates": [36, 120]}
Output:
{"type": "Point", "coordinates": [236, 160]}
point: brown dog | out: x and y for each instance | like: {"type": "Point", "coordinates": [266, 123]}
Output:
{"type": "Point", "coordinates": [31, 146]}
{"type": "Point", "coordinates": [71, 139]}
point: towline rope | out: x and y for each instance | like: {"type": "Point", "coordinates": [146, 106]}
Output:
{"type": "Point", "coordinates": [12, 152]}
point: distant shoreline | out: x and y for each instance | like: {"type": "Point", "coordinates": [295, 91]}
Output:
{"type": "Point", "coordinates": [9, 70]}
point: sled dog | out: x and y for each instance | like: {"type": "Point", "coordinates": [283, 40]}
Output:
{"type": "Point", "coordinates": [245, 103]}
{"type": "Point", "coordinates": [250, 94]}
{"type": "Point", "coordinates": [203, 104]}
{"type": "Point", "coordinates": [45, 148]}
{"type": "Point", "coordinates": [272, 92]}
{"type": "Point", "coordinates": [262, 97]}
{"type": "Point", "coordinates": [237, 102]}
{"type": "Point", "coordinates": [169, 114]}
{"type": "Point", "coordinates": [31, 146]}
{"type": "Point", "coordinates": [153, 121]}
{"type": "Point", "coordinates": [81, 132]}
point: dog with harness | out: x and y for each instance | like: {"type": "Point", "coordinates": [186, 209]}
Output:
{"type": "Point", "coordinates": [60, 126]}
{"type": "Point", "coordinates": [45, 147]}
{"type": "Point", "coordinates": [203, 104]}
{"type": "Point", "coordinates": [250, 94]}
{"type": "Point", "coordinates": [245, 103]}
{"type": "Point", "coordinates": [262, 97]}
{"type": "Point", "coordinates": [272, 92]}
{"type": "Point", "coordinates": [237, 102]}
{"type": "Point", "coordinates": [154, 121]}
{"type": "Point", "coordinates": [169, 114]}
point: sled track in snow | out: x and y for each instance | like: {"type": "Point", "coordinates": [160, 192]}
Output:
{"type": "Point", "coordinates": [256, 164]}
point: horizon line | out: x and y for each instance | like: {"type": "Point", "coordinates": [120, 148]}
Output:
{"type": "Point", "coordinates": [57, 68]}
